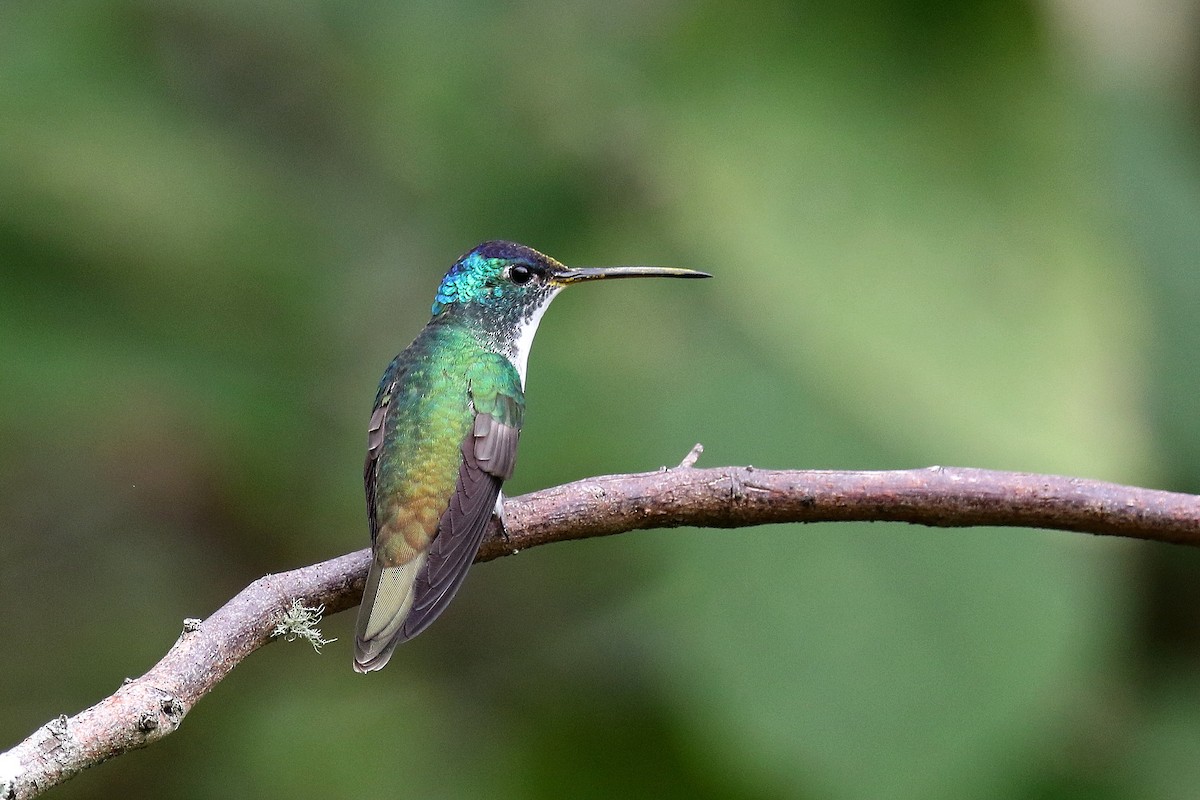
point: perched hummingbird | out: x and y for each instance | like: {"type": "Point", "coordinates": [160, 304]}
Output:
{"type": "Point", "coordinates": [443, 434]}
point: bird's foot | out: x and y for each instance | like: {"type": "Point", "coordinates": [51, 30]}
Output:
{"type": "Point", "coordinates": [503, 520]}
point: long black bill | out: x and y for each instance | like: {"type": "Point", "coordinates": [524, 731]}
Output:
{"type": "Point", "coordinates": [577, 274]}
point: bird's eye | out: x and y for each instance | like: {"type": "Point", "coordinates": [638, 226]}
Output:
{"type": "Point", "coordinates": [520, 274]}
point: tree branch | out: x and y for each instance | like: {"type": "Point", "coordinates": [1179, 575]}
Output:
{"type": "Point", "coordinates": [152, 706]}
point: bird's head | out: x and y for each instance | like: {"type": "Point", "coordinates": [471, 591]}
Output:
{"type": "Point", "coordinates": [506, 286]}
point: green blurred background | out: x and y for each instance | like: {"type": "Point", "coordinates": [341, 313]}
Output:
{"type": "Point", "coordinates": [942, 233]}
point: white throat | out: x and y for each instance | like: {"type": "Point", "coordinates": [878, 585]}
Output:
{"type": "Point", "coordinates": [524, 338]}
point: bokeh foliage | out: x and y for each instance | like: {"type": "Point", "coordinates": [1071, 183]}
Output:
{"type": "Point", "coordinates": [942, 233]}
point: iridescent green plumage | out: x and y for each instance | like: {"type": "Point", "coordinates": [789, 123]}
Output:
{"type": "Point", "coordinates": [443, 435]}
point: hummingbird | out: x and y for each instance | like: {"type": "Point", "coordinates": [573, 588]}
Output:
{"type": "Point", "coordinates": [443, 434]}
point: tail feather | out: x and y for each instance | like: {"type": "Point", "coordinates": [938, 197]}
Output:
{"type": "Point", "coordinates": [387, 601]}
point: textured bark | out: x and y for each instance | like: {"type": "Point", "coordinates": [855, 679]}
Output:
{"type": "Point", "coordinates": [152, 706]}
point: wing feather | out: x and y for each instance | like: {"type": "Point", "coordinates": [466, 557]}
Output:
{"type": "Point", "coordinates": [463, 524]}
{"type": "Point", "coordinates": [401, 602]}
{"type": "Point", "coordinates": [375, 433]}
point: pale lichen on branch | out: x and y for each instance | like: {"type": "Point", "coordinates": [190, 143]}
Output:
{"type": "Point", "coordinates": [300, 622]}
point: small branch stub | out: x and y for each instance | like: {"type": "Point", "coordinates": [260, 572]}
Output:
{"type": "Point", "coordinates": [692, 457]}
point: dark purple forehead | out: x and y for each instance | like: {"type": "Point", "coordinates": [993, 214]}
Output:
{"type": "Point", "coordinates": [506, 250]}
